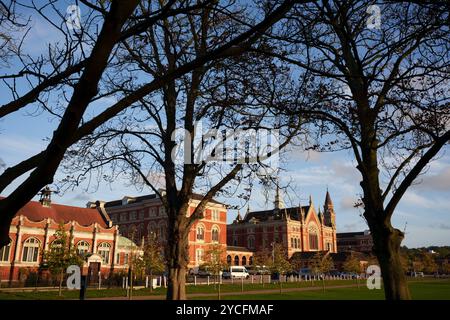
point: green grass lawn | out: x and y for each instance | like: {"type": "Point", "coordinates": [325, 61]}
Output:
{"type": "Point", "coordinates": [420, 290]}
{"type": "Point", "coordinates": [423, 289]}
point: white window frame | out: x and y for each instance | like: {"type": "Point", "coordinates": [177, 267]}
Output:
{"type": "Point", "coordinates": [85, 245]}
{"type": "Point", "coordinates": [5, 253]}
{"type": "Point", "coordinates": [32, 255]}
{"type": "Point", "coordinates": [102, 248]}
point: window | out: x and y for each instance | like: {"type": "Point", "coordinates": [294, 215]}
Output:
{"type": "Point", "coordinates": [250, 261]}
{"type": "Point", "coordinates": [244, 260]}
{"type": "Point", "coordinates": [215, 216]}
{"type": "Point", "coordinates": [200, 233]}
{"type": "Point", "coordinates": [133, 215]}
{"type": "Point", "coordinates": [118, 258]}
{"type": "Point", "coordinates": [162, 211]}
{"type": "Point", "coordinates": [82, 247]}
{"type": "Point", "coordinates": [152, 212]}
{"type": "Point", "coordinates": [275, 237]}
{"type": "Point", "coordinates": [123, 217]}
{"type": "Point", "coordinates": [4, 252]}
{"type": "Point", "coordinates": [30, 250]}
{"type": "Point", "coordinates": [313, 240]}
{"type": "Point", "coordinates": [103, 251]}
{"type": "Point", "coordinates": [236, 260]}
{"type": "Point", "coordinates": [141, 215]}
{"type": "Point", "coordinates": [328, 246]}
{"type": "Point", "coordinates": [313, 237]}
{"type": "Point", "coordinates": [235, 242]}
{"type": "Point", "coordinates": [199, 256]}
{"type": "Point", "coordinates": [251, 242]}
{"type": "Point", "coordinates": [162, 232]}
{"type": "Point", "coordinates": [126, 259]}
{"type": "Point", "coordinates": [229, 260]}
{"type": "Point", "coordinates": [215, 234]}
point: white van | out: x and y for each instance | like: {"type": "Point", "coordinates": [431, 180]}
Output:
{"type": "Point", "coordinates": [236, 272]}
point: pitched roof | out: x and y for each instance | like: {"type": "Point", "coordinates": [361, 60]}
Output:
{"type": "Point", "coordinates": [35, 211]}
{"type": "Point", "coordinates": [349, 234]}
{"type": "Point", "coordinates": [293, 212]}
{"type": "Point", "coordinates": [115, 203]}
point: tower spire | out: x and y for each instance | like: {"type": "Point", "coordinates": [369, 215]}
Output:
{"type": "Point", "coordinates": [278, 203]}
{"type": "Point", "coordinates": [328, 202]}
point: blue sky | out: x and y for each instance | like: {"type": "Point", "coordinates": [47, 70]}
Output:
{"type": "Point", "coordinates": [425, 207]}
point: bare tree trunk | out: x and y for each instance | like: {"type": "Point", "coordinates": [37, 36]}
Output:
{"type": "Point", "coordinates": [177, 284]}
{"type": "Point", "coordinates": [387, 248]}
{"type": "Point", "coordinates": [177, 259]}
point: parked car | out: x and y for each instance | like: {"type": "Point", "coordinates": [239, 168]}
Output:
{"type": "Point", "coordinates": [201, 271]}
{"type": "Point", "coordinates": [252, 270]}
{"type": "Point", "coordinates": [236, 272]}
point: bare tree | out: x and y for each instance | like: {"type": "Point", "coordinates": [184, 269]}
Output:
{"type": "Point", "coordinates": [121, 20]}
{"type": "Point", "coordinates": [223, 95]}
{"type": "Point", "coordinates": [380, 91]}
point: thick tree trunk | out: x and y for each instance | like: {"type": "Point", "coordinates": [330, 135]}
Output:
{"type": "Point", "coordinates": [387, 249]}
{"type": "Point", "coordinates": [177, 258]}
{"type": "Point", "coordinates": [177, 284]}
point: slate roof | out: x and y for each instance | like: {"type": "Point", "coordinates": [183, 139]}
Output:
{"type": "Point", "coordinates": [116, 203]}
{"type": "Point", "coordinates": [36, 212]}
{"type": "Point", "coordinates": [293, 212]}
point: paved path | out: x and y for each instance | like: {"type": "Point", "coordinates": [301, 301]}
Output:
{"type": "Point", "coordinates": [199, 295]}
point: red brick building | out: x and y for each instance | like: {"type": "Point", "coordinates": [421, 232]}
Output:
{"type": "Point", "coordinates": [355, 241]}
{"type": "Point", "coordinates": [298, 229]}
{"type": "Point", "coordinates": [90, 229]}
{"type": "Point", "coordinates": [138, 217]}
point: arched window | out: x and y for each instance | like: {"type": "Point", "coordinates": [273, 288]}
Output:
{"type": "Point", "coordinates": [235, 242]}
{"type": "Point", "coordinates": [250, 261]}
{"type": "Point", "coordinates": [31, 250]}
{"type": "Point", "coordinates": [229, 260]}
{"type": "Point", "coordinates": [236, 260]}
{"type": "Point", "coordinates": [244, 260]}
{"type": "Point", "coordinates": [292, 243]}
{"type": "Point", "coordinates": [215, 234]}
{"type": "Point", "coordinates": [103, 250]}
{"type": "Point", "coordinates": [82, 247]}
{"type": "Point", "coordinates": [200, 233]}
{"type": "Point", "coordinates": [4, 252]}
{"type": "Point", "coordinates": [313, 239]}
